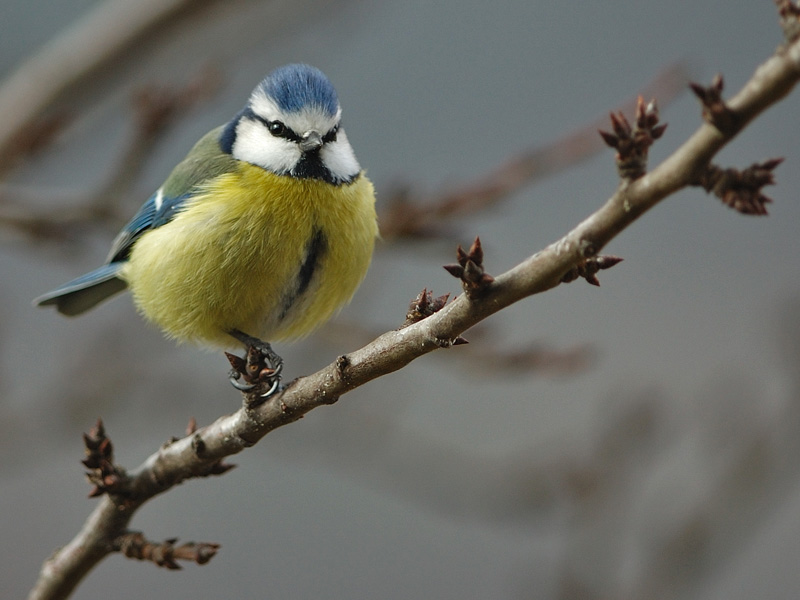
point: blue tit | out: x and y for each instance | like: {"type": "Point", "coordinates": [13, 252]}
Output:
{"type": "Point", "coordinates": [262, 232]}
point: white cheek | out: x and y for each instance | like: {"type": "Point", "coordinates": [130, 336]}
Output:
{"type": "Point", "coordinates": [254, 144]}
{"type": "Point", "coordinates": [340, 159]}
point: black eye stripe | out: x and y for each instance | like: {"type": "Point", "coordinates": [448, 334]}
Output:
{"type": "Point", "coordinates": [279, 129]}
{"type": "Point", "coordinates": [331, 135]}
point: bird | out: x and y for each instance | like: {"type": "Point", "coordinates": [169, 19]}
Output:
{"type": "Point", "coordinates": [260, 234]}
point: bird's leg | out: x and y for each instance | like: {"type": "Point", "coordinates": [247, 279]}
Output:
{"type": "Point", "coordinates": [260, 367]}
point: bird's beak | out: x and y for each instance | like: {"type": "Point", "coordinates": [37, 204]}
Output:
{"type": "Point", "coordinates": [311, 140]}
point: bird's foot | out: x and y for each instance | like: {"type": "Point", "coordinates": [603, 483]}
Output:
{"type": "Point", "coordinates": [259, 372]}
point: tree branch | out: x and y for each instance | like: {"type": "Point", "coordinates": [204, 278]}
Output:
{"type": "Point", "coordinates": [196, 454]}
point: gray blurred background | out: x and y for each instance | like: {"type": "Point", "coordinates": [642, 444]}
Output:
{"type": "Point", "coordinates": [649, 449]}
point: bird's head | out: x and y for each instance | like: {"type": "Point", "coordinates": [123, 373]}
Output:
{"type": "Point", "coordinates": [291, 126]}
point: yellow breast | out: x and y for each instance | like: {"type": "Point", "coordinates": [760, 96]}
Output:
{"type": "Point", "coordinates": [270, 255]}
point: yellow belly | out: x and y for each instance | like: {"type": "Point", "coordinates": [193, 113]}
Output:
{"type": "Point", "coordinates": [234, 257]}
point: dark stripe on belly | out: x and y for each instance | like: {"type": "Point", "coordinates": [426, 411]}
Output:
{"type": "Point", "coordinates": [314, 251]}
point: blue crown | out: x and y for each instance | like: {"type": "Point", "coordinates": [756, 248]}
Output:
{"type": "Point", "coordinates": [294, 87]}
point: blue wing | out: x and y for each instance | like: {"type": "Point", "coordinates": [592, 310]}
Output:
{"type": "Point", "coordinates": [205, 161]}
{"type": "Point", "coordinates": [157, 211]}
{"type": "Point", "coordinates": [86, 291]}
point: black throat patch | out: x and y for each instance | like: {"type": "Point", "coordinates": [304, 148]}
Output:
{"type": "Point", "coordinates": [310, 166]}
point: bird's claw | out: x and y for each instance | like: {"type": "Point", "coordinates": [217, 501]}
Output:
{"type": "Point", "coordinates": [235, 376]}
{"type": "Point", "coordinates": [275, 385]}
{"type": "Point", "coordinates": [261, 367]}
{"type": "Point", "coordinates": [245, 382]}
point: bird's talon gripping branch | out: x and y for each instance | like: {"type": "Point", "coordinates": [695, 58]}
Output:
{"type": "Point", "coordinates": [235, 376]}
{"type": "Point", "coordinates": [265, 375]}
{"type": "Point", "coordinates": [260, 368]}
{"type": "Point", "coordinates": [276, 384]}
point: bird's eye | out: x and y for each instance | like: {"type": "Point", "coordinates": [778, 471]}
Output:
{"type": "Point", "coordinates": [331, 135]}
{"type": "Point", "coordinates": [276, 128]}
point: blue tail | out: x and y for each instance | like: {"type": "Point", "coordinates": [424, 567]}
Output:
{"type": "Point", "coordinates": [85, 292]}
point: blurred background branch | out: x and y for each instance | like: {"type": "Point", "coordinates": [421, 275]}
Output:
{"type": "Point", "coordinates": [110, 28]}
